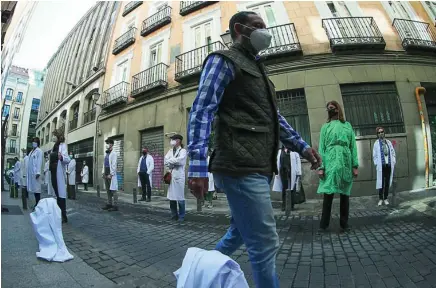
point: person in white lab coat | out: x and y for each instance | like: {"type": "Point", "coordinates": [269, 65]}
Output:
{"type": "Point", "coordinates": [145, 170]}
{"type": "Point", "coordinates": [59, 160]}
{"type": "Point", "coordinates": [289, 167]}
{"type": "Point", "coordinates": [175, 161]}
{"type": "Point", "coordinates": [24, 173]}
{"type": "Point", "coordinates": [17, 174]}
{"type": "Point", "coordinates": [34, 170]}
{"type": "Point", "coordinates": [109, 173]}
{"type": "Point", "coordinates": [384, 158]}
{"type": "Point", "coordinates": [71, 174]}
{"type": "Point", "coordinates": [85, 175]}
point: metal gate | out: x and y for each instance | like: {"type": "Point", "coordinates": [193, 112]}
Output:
{"type": "Point", "coordinates": [119, 149]}
{"type": "Point", "coordinates": [153, 140]}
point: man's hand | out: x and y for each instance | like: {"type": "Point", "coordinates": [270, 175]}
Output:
{"type": "Point", "coordinates": [109, 177]}
{"type": "Point", "coordinates": [313, 157]}
{"type": "Point", "coordinates": [198, 187]}
{"type": "Point", "coordinates": [321, 174]}
{"type": "Point", "coordinates": [355, 172]}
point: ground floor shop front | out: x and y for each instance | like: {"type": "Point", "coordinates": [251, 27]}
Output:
{"type": "Point", "coordinates": [374, 91]}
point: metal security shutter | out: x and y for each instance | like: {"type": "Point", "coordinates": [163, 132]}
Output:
{"type": "Point", "coordinates": [153, 139]}
{"type": "Point", "coordinates": [119, 149]}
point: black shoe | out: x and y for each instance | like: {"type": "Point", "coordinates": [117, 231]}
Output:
{"type": "Point", "coordinates": [107, 207]}
{"type": "Point", "coordinates": [175, 218]}
{"type": "Point", "coordinates": [148, 200]}
{"type": "Point", "coordinates": [345, 229]}
{"type": "Point", "coordinates": [142, 199]}
{"type": "Point", "coordinates": [113, 208]}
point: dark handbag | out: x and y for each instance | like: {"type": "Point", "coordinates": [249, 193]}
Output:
{"type": "Point", "coordinates": [167, 178]}
{"type": "Point", "coordinates": [299, 197]}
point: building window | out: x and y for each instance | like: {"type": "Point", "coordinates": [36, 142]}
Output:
{"type": "Point", "coordinates": [370, 105]}
{"type": "Point", "coordinates": [202, 35]}
{"type": "Point", "coordinates": [9, 93]}
{"type": "Point", "coordinates": [430, 7]}
{"type": "Point", "coordinates": [338, 9]}
{"type": "Point", "coordinates": [14, 129]}
{"type": "Point", "coordinates": [293, 107]}
{"type": "Point", "coordinates": [19, 98]}
{"type": "Point", "coordinates": [16, 113]}
{"type": "Point", "coordinates": [156, 54]}
{"type": "Point", "coordinates": [12, 146]}
{"type": "Point", "coordinates": [122, 69]}
{"type": "Point", "coordinates": [6, 110]}
{"type": "Point", "coordinates": [35, 104]}
{"type": "Point", "coordinates": [266, 12]}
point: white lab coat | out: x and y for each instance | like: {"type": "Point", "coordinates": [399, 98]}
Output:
{"type": "Point", "coordinates": [209, 269]}
{"type": "Point", "coordinates": [46, 172]}
{"type": "Point", "coordinates": [34, 168]}
{"type": "Point", "coordinates": [376, 157]}
{"type": "Point", "coordinates": [61, 173]}
{"type": "Point", "coordinates": [71, 172]}
{"type": "Point", "coordinates": [295, 171]}
{"type": "Point", "coordinates": [24, 169]}
{"type": "Point", "coordinates": [113, 170]}
{"type": "Point", "coordinates": [176, 164]}
{"type": "Point", "coordinates": [210, 176]}
{"type": "Point", "coordinates": [17, 172]}
{"type": "Point", "coordinates": [85, 174]}
{"type": "Point", "coordinates": [149, 161]}
{"type": "Point", "coordinates": [46, 222]}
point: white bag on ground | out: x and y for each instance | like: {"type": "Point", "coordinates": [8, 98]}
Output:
{"type": "Point", "coordinates": [209, 269]}
{"type": "Point", "coordinates": [46, 221]}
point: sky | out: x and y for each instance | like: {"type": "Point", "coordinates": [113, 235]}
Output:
{"type": "Point", "coordinates": [50, 24]}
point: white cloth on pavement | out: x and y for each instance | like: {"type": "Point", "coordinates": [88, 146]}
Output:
{"type": "Point", "coordinates": [209, 269]}
{"type": "Point", "coordinates": [46, 222]}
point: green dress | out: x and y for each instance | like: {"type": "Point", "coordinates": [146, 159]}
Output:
{"type": "Point", "coordinates": [337, 146]}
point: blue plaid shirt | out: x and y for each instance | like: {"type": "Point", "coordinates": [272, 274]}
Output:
{"type": "Point", "coordinates": [216, 75]}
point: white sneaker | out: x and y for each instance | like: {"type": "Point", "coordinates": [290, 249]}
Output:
{"type": "Point", "coordinates": [380, 203]}
{"type": "Point", "coordinates": [386, 202]}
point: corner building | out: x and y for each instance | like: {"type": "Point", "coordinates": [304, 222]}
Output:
{"type": "Point", "coordinates": [368, 56]}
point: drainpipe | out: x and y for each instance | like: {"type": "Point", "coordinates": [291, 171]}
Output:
{"type": "Point", "coordinates": [418, 92]}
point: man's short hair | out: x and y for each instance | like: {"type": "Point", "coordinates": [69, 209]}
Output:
{"type": "Point", "coordinates": [240, 17]}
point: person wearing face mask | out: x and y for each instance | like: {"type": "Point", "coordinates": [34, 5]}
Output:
{"type": "Point", "coordinates": [247, 135]}
{"type": "Point", "coordinates": [337, 145]}
{"type": "Point", "coordinates": [71, 174]}
{"type": "Point", "coordinates": [85, 175]}
{"type": "Point", "coordinates": [24, 174]}
{"type": "Point", "coordinates": [175, 161]}
{"type": "Point", "coordinates": [109, 174]}
{"type": "Point", "coordinates": [384, 157]}
{"type": "Point", "coordinates": [59, 159]}
{"type": "Point", "coordinates": [17, 175]}
{"type": "Point", "coordinates": [145, 170]}
{"type": "Point", "coordinates": [34, 167]}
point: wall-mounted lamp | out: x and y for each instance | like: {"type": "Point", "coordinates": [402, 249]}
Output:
{"type": "Point", "coordinates": [227, 38]}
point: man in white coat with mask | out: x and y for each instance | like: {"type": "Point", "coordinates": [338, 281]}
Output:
{"type": "Point", "coordinates": [175, 161]}
{"type": "Point", "coordinates": [145, 170]}
{"type": "Point", "coordinates": [34, 170]}
{"type": "Point", "coordinates": [109, 173]}
{"type": "Point", "coordinates": [384, 158]}
{"type": "Point", "coordinates": [71, 174]}
{"type": "Point", "coordinates": [85, 175]}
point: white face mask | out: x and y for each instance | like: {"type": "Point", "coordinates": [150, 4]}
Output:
{"type": "Point", "coordinates": [260, 39]}
{"type": "Point", "coordinates": [173, 143]}
{"type": "Point", "coordinates": [54, 139]}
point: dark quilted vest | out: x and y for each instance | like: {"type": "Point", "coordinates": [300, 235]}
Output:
{"type": "Point", "coordinates": [246, 124]}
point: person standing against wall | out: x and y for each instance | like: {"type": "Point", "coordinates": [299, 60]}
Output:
{"type": "Point", "coordinates": [145, 170]}
{"type": "Point", "coordinates": [384, 157]}
{"type": "Point", "coordinates": [175, 161]}
{"type": "Point", "coordinates": [85, 175]}
{"type": "Point", "coordinates": [71, 174]}
{"type": "Point", "coordinates": [34, 168]}
{"type": "Point", "coordinates": [109, 174]}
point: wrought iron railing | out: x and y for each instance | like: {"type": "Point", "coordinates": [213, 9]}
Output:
{"type": "Point", "coordinates": [187, 7]}
{"type": "Point", "coordinates": [73, 123]}
{"type": "Point", "coordinates": [284, 40]}
{"type": "Point", "coordinates": [124, 41]}
{"type": "Point", "coordinates": [415, 34]}
{"type": "Point", "coordinates": [353, 32]}
{"type": "Point", "coordinates": [116, 95]}
{"type": "Point", "coordinates": [155, 76]}
{"type": "Point", "coordinates": [191, 62]}
{"type": "Point", "coordinates": [155, 21]}
{"type": "Point", "coordinates": [131, 6]}
{"type": "Point", "coordinates": [89, 116]}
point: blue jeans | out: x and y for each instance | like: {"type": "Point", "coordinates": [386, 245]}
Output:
{"type": "Point", "coordinates": [252, 224]}
{"type": "Point", "coordinates": [173, 207]}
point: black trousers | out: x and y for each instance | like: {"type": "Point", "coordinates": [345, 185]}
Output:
{"type": "Point", "coordinates": [85, 186]}
{"type": "Point", "coordinates": [145, 185]}
{"type": "Point", "coordinates": [62, 202]}
{"type": "Point", "coordinates": [37, 198]}
{"type": "Point", "coordinates": [284, 176]}
{"type": "Point", "coordinates": [71, 192]}
{"type": "Point", "coordinates": [327, 210]}
{"type": "Point", "coordinates": [386, 177]}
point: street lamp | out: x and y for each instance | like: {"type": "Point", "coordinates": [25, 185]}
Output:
{"type": "Point", "coordinates": [227, 38]}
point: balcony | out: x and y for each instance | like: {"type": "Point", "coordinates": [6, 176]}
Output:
{"type": "Point", "coordinates": [190, 64]}
{"type": "Point", "coordinates": [153, 78]}
{"type": "Point", "coordinates": [187, 7]}
{"type": "Point", "coordinates": [124, 41]}
{"type": "Point", "coordinates": [131, 6]}
{"type": "Point", "coordinates": [415, 36]}
{"type": "Point", "coordinates": [156, 21]}
{"type": "Point", "coordinates": [284, 42]}
{"type": "Point", "coordinates": [89, 116]}
{"type": "Point", "coordinates": [73, 124]}
{"type": "Point", "coordinates": [353, 33]}
{"type": "Point", "coordinates": [116, 95]}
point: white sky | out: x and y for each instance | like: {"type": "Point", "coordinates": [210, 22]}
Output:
{"type": "Point", "coordinates": [50, 24]}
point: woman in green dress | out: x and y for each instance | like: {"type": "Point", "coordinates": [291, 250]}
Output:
{"type": "Point", "coordinates": [337, 146]}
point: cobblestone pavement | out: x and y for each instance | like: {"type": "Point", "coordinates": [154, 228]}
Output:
{"type": "Point", "coordinates": [138, 247]}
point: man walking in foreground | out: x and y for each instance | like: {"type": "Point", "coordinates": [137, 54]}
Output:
{"type": "Point", "coordinates": [248, 128]}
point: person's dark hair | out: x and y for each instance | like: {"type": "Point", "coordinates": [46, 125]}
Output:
{"type": "Point", "coordinates": [36, 139]}
{"type": "Point", "coordinates": [340, 112]}
{"type": "Point", "coordinates": [240, 17]}
{"type": "Point", "coordinates": [378, 128]}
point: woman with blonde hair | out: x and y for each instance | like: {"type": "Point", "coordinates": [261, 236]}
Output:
{"type": "Point", "coordinates": [337, 146]}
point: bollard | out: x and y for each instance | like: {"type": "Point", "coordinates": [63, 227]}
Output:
{"type": "Point", "coordinates": [24, 197]}
{"type": "Point", "coordinates": [135, 196]}
{"type": "Point", "coordinates": [98, 191]}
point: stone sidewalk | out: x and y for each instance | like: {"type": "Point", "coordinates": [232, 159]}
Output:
{"type": "Point", "coordinates": [21, 268]}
